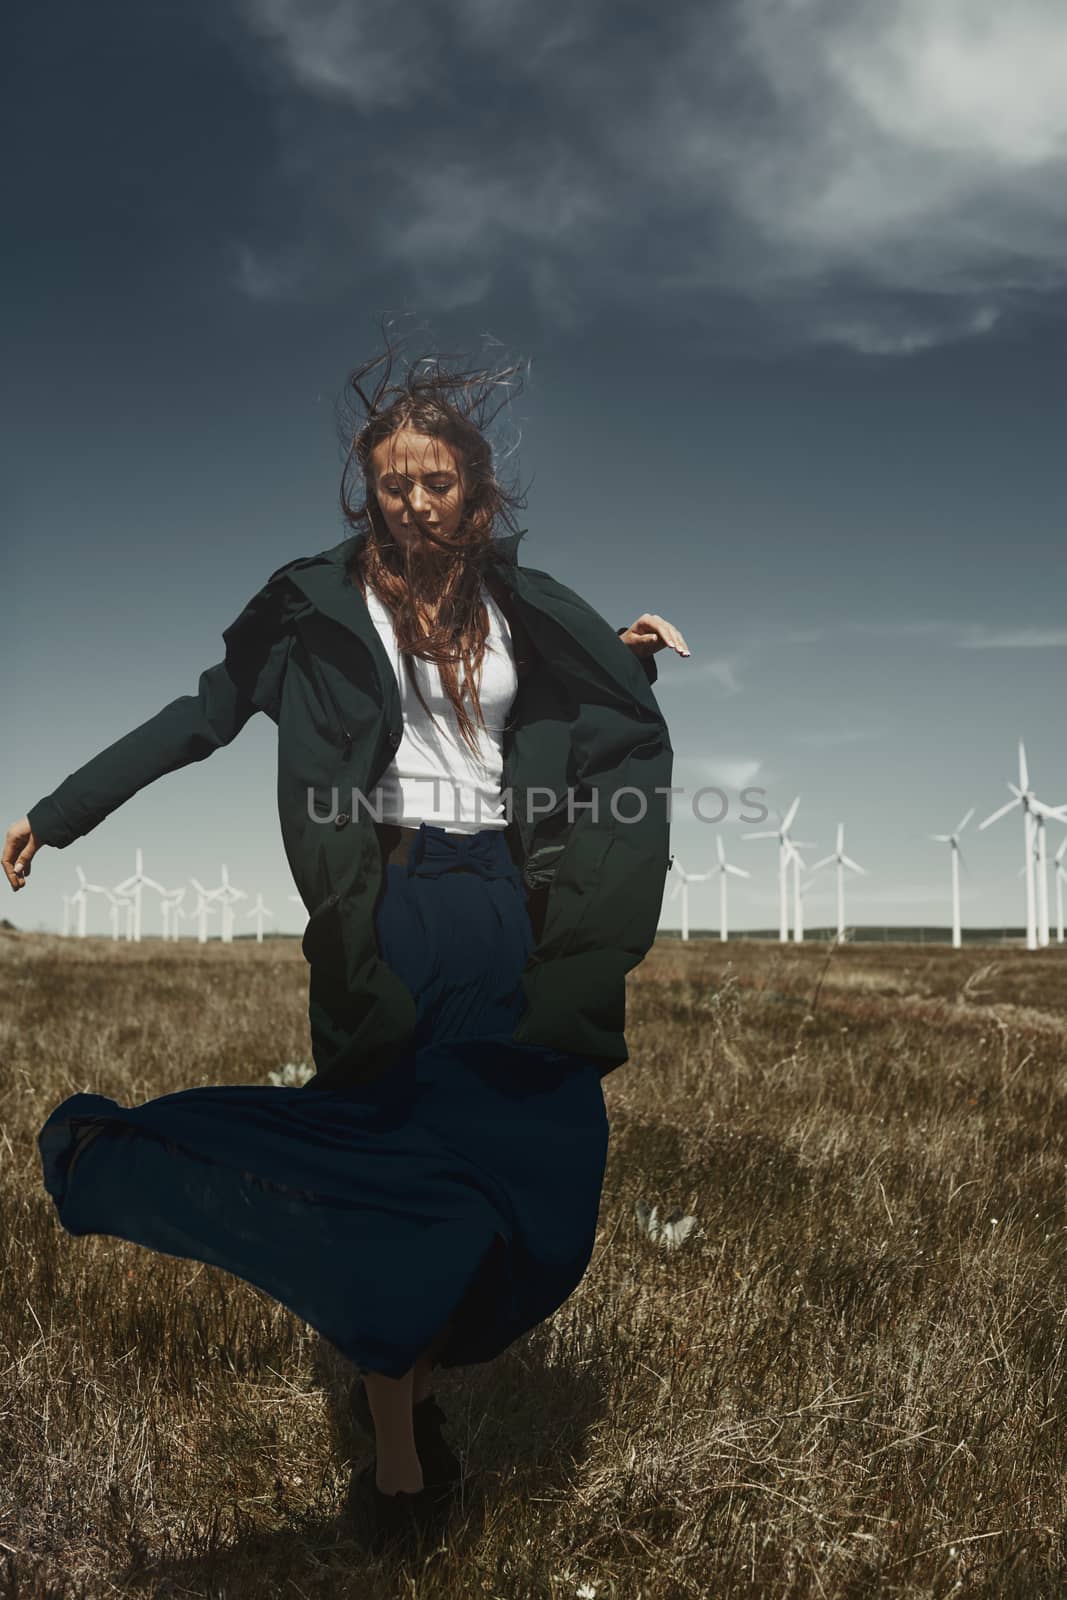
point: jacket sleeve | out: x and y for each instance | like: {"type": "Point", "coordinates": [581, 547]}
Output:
{"type": "Point", "coordinates": [189, 729]}
{"type": "Point", "coordinates": [648, 662]}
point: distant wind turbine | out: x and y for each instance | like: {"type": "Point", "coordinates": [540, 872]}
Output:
{"type": "Point", "coordinates": [953, 841]}
{"type": "Point", "coordinates": [1034, 812]}
{"type": "Point", "coordinates": [204, 908]}
{"type": "Point", "coordinates": [842, 861]}
{"type": "Point", "coordinates": [1061, 879]}
{"type": "Point", "coordinates": [170, 907]}
{"type": "Point", "coordinates": [132, 887]}
{"type": "Point", "coordinates": [724, 867]}
{"type": "Point", "coordinates": [682, 886]}
{"type": "Point", "coordinates": [80, 899]}
{"type": "Point", "coordinates": [781, 833]}
{"type": "Point", "coordinates": [795, 847]}
{"type": "Point", "coordinates": [259, 911]}
{"type": "Point", "coordinates": [227, 895]}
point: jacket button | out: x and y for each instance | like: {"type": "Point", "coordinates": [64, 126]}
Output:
{"type": "Point", "coordinates": [331, 900]}
{"type": "Point", "coordinates": [341, 819]}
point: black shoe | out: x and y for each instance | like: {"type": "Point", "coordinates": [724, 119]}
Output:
{"type": "Point", "coordinates": [440, 1467]}
{"type": "Point", "coordinates": [389, 1522]}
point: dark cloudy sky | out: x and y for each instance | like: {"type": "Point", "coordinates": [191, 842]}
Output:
{"type": "Point", "coordinates": [790, 277]}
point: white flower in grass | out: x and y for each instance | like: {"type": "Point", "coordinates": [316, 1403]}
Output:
{"type": "Point", "coordinates": [585, 1591]}
{"type": "Point", "coordinates": [671, 1232]}
{"type": "Point", "coordinates": [292, 1075]}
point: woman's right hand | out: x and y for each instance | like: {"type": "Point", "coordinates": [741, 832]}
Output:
{"type": "Point", "coordinates": [20, 846]}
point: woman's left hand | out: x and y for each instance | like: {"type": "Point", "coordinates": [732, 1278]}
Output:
{"type": "Point", "coordinates": [651, 633]}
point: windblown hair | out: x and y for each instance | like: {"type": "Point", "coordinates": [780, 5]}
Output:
{"type": "Point", "coordinates": [448, 404]}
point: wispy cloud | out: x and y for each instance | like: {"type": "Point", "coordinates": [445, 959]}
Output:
{"type": "Point", "coordinates": [1015, 639]}
{"type": "Point", "coordinates": [961, 635]}
{"type": "Point", "coordinates": [830, 738]}
{"type": "Point", "coordinates": [719, 673]}
{"type": "Point", "coordinates": [883, 175]}
{"type": "Point", "coordinates": [736, 773]}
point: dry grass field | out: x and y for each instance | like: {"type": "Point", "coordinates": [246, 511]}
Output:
{"type": "Point", "coordinates": [848, 1380]}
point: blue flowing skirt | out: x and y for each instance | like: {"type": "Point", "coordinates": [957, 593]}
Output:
{"type": "Point", "coordinates": [454, 1199]}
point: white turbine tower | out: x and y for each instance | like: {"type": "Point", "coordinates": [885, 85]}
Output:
{"type": "Point", "coordinates": [170, 907]}
{"type": "Point", "coordinates": [682, 887]}
{"type": "Point", "coordinates": [115, 904]}
{"type": "Point", "coordinates": [724, 868]}
{"type": "Point", "coordinates": [1061, 879]}
{"type": "Point", "coordinates": [953, 841]}
{"type": "Point", "coordinates": [79, 899]}
{"type": "Point", "coordinates": [226, 894]}
{"type": "Point", "coordinates": [794, 847]}
{"type": "Point", "coordinates": [259, 911]}
{"type": "Point", "coordinates": [205, 907]}
{"type": "Point", "coordinates": [781, 833]}
{"type": "Point", "coordinates": [843, 861]}
{"type": "Point", "coordinates": [1034, 812]}
{"type": "Point", "coordinates": [132, 887]}
{"type": "Point", "coordinates": [98, 888]}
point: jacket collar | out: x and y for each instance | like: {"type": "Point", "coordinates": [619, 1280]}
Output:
{"type": "Point", "coordinates": [323, 580]}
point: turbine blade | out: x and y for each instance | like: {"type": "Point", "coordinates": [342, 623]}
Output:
{"type": "Point", "coordinates": [1024, 776]}
{"type": "Point", "coordinates": [825, 860]}
{"type": "Point", "coordinates": [961, 825]}
{"type": "Point", "coordinates": [1002, 812]}
{"type": "Point", "coordinates": [790, 814]}
{"type": "Point", "coordinates": [854, 865]}
{"type": "Point", "coordinates": [738, 872]}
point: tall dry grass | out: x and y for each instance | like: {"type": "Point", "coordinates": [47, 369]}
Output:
{"type": "Point", "coordinates": [849, 1380]}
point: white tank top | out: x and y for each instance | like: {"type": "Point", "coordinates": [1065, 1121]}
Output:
{"type": "Point", "coordinates": [466, 798]}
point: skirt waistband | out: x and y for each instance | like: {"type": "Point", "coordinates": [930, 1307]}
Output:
{"type": "Point", "coordinates": [429, 850]}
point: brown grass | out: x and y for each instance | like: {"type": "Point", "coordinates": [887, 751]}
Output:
{"type": "Point", "coordinates": [848, 1381]}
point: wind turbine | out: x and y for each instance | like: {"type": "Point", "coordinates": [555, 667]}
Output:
{"type": "Point", "coordinates": [172, 903]}
{"type": "Point", "coordinates": [132, 886]}
{"type": "Point", "coordinates": [113, 903]}
{"type": "Point", "coordinates": [1061, 879]}
{"type": "Point", "coordinates": [1033, 809]}
{"type": "Point", "coordinates": [204, 908]}
{"type": "Point", "coordinates": [842, 861]}
{"type": "Point", "coordinates": [259, 911]}
{"type": "Point", "coordinates": [226, 894]}
{"type": "Point", "coordinates": [80, 899]}
{"type": "Point", "coordinates": [781, 833]}
{"type": "Point", "coordinates": [794, 848]}
{"type": "Point", "coordinates": [953, 841]}
{"type": "Point", "coordinates": [682, 887]}
{"type": "Point", "coordinates": [723, 868]}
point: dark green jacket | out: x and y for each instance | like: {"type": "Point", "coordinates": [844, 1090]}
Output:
{"type": "Point", "coordinates": [584, 721]}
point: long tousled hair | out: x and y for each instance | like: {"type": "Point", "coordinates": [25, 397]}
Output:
{"type": "Point", "coordinates": [450, 404]}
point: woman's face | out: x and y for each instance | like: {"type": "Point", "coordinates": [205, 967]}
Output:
{"type": "Point", "coordinates": [428, 469]}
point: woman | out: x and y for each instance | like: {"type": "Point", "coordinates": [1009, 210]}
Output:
{"type": "Point", "coordinates": [462, 1010]}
